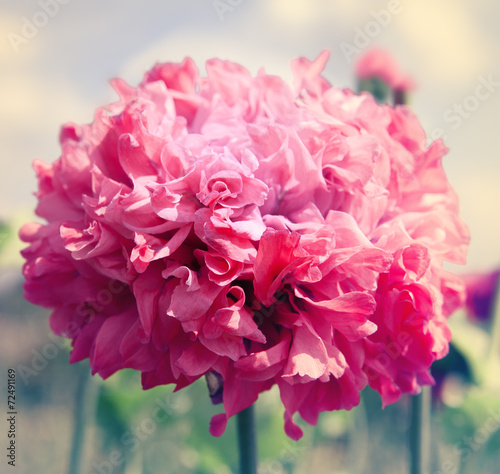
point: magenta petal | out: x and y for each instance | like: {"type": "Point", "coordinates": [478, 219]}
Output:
{"type": "Point", "coordinates": [218, 424]}
{"type": "Point", "coordinates": [107, 358]}
{"type": "Point", "coordinates": [292, 429]}
{"type": "Point", "coordinates": [196, 360]}
{"type": "Point", "coordinates": [84, 342]}
{"type": "Point", "coordinates": [279, 253]}
{"type": "Point", "coordinates": [264, 365]}
{"type": "Point", "coordinates": [133, 158]}
{"type": "Point", "coordinates": [348, 313]}
{"type": "Point", "coordinates": [308, 358]}
{"type": "Point", "coordinates": [200, 293]}
{"type": "Point", "coordinates": [225, 346]}
{"type": "Point", "coordinates": [147, 289]}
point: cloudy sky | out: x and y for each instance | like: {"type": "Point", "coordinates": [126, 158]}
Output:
{"type": "Point", "coordinates": [54, 68]}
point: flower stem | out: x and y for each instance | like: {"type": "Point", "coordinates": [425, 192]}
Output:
{"type": "Point", "coordinates": [420, 432]}
{"type": "Point", "coordinates": [247, 441]}
{"type": "Point", "coordinates": [85, 403]}
{"type": "Point", "coordinates": [399, 97]}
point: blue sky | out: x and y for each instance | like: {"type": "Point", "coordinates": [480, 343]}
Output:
{"type": "Point", "coordinates": [60, 74]}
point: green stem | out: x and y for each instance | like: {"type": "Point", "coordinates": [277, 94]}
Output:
{"type": "Point", "coordinates": [247, 441]}
{"type": "Point", "coordinates": [420, 432]}
{"type": "Point", "coordinates": [85, 400]}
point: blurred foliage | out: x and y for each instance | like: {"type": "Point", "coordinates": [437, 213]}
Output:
{"type": "Point", "coordinates": [472, 432]}
{"type": "Point", "coordinates": [5, 234]}
{"type": "Point", "coordinates": [179, 440]}
{"type": "Point", "coordinates": [479, 407]}
{"type": "Point", "coordinates": [472, 342]}
{"type": "Point", "coordinates": [10, 244]}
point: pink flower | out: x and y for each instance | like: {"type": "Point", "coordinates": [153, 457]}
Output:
{"type": "Point", "coordinates": [235, 227]}
{"type": "Point", "coordinates": [482, 291]}
{"type": "Point", "coordinates": [379, 63]}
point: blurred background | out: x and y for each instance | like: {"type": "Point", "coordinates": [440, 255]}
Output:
{"type": "Point", "coordinates": [56, 57]}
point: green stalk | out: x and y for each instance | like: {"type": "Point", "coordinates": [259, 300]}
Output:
{"type": "Point", "coordinates": [247, 441]}
{"type": "Point", "coordinates": [85, 402]}
{"type": "Point", "coordinates": [420, 432]}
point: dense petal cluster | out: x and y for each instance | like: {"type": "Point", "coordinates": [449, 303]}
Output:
{"type": "Point", "coordinates": [253, 232]}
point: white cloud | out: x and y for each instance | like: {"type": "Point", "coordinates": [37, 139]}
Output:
{"type": "Point", "coordinates": [32, 111]}
{"type": "Point", "coordinates": [306, 13]}
{"type": "Point", "coordinates": [480, 209]}
{"type": "Point", "coordinates": [175, 47]}
{"type": "Point", "coordinates": [445, 38]}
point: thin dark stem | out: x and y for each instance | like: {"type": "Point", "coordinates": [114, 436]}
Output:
{"type": "Point", "coordinates": [247, 441]}
{"type": "Point", "coordinates": [399, 97]}
{"type": "Point", "coordinates": [420, 432]}
{"type": "Point", "coordinates": [495, 328]}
